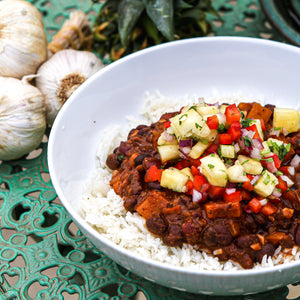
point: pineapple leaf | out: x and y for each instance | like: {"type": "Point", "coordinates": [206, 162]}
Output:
{"type": "Point", "coordinates": [129, 12]}
{"type": "Point", "coordinates": [161, 12]}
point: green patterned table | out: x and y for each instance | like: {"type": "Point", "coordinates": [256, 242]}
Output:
{"type": "Point", "coordinates": [42, 253]}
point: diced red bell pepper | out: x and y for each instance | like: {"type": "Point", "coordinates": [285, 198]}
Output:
{"type": "Point", "coordinates": [199, 181]}
{"type": "Point", "coordinates": [262, 123]}
{"type": "Point", "coordinates": [225, 139]}
{"type": "Point", "coordinates": [190, 185]}
{"type": "Point", "coordinates": [213, 148]}
{"type": "Point", "coordinates": [277, 161]}
{"type": "Point", "coordinates": [215, 192]}
{"type": "Point", "coordinates": [235, 130]}
{"type": "Point", "coordinates": [233, 197]}
{"type": "Point", "coordinates": [232, 114]}
{"type": "Point", "coordinates": [285, 170]}
{"type": "Point", "coordinates": [213, 122]}
{"type": "Point", "coordinates": [182, 164]}
{"type": "Point", "coordinates": [282, 185]}
{"type": "Point", "coordinates": [195, 171]}
{"type": "Point", "coordinates": [248, 186]}
{"type": "Point", "coordinates": [153, 174]}
{"type": "Point", "coordinates": [255, 205]}
{"type": "Point", "coordinates": [167, 124]}
{"type": "Point", "coordinates": [268, 209]}
{"type": "Point", "coordinates": [254, 129]}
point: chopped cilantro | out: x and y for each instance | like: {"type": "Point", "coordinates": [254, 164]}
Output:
{"type": "Point", "coordinates": [198, 126]}
{"type": "Point", "coordinates": [267, 179]}
{"type": "Point", "coordinates": [246, 122]}
{"type": "Point", "coordinates": [211, 166]}
{"type": "Point", "coordinates": [221, 128]}
{"type": "Point", "coordinates": [194, 107]}
{"type": "Point", "coordinates": [244, 162]}
{"type": "Point", "coordinates": [248, 141]}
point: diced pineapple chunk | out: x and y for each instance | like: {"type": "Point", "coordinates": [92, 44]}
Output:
{"type": "Point", "coordinates": [214, 169]}
{"type": "Point", "coordinates": [174, 179]}
{"type": "Point", "coordinates": [165, 139]}
{"type": "Point", "coordinates": [187, 171]}
{"type": "Point", "coordinates": [199, 148]}
{"type": "Point", "coordinates": [168, 152]}
{"type": "Point", "coordinates": [257, 122]}
{"type": "Point", "coordinates": [287, 118]}
{"type": "Point", "coordinates": [250, 165]}
{"type": "Point", "coordinates": [274, 144]}
{"type": "Point", "coordinates": [223, 108]}
{"type": "Point", "coordinates": [207, 110]}
{"type": "Point", "coordinates": [236, 174]}
{"type": "Point", "coordinates": [189, 125]}
{"type": "Point", "coordinates": [266, 184]}
{"type": "Point", "coordinates": [227, 151]}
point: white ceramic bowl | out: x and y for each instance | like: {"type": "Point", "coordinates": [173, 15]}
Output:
{"type": "Point", "coordinates": [194, 66]}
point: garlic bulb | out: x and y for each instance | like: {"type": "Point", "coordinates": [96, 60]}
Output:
{"type": "Point", "coordinates": [23, 42]}
{"type": "Point", "coordinates": [62, 74]}
{"type": "Point", "coordinates": [75, 33]}
{"type": "Point", "coordinates": [22, 118]}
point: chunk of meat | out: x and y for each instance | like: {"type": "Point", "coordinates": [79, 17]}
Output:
{"type": "Point", "coordinates": [259, 112]}
{"type": "Point", "coordinates": [245, 107]}
{"type": "Point", "coordinates": [152, 205]}
{"type": "Point", "coordinates": [223, 210]}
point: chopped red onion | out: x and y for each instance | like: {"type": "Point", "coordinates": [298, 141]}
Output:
{"type": "Point", "coordinates": [284, 131]}
{"type": "Point", "coordinates": [229, 191]}
{"type": "Point", "coordinates": [236, 148]}
{"type": "Point", "coordinates": [291, 170]}
{"type": "Point", "coordinates": [263, 202]}
{"type": "Point", "coordinates": [214, 104]}
{"type": "Point", "coordinates": [255, 153]}
{"type": "Point", "coordinates": [274, 132]}
{"type": "Point", "coordinates": [197, 196]}
{"type": "Point", "coordinates": [271, 166]}
{"type": "Point", "coordinates": [257, 144]}
{"type": "Point", "coordinates": [247, 133]}
{"type": "Point", "coordinates": [287, 180]}
{"type": "Point", "coordinates": [276, 193]}
{"type": "Point", "coordinates": [231, 185]}
{"type": "Point", "coordinates": [255, 178]}
{"type": "Point", "coordinates": [185, 143]}
{"type": "Point", "coordinates": [221, 118]}
{"type": "Point", "coordinates": [167, 137]}
{"type": "Point", "coordinates": [295, 161]}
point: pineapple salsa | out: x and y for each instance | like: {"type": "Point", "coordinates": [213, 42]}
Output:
{"type": "Point", "coordinates": [224, 178]}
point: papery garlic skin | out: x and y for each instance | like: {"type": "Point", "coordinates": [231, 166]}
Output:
{"type": "Point", "coordinates": [22, 118]}
{"type": "Point", "coordinates": [62, 74]}
{"type": "Point", "coordinates": [23, 41]}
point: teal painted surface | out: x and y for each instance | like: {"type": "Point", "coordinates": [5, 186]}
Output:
{"type": "Point", "coordinates": [42, 253]}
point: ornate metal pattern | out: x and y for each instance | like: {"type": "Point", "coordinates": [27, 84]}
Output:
{"type": "Point", "coordinates": [42, 253]}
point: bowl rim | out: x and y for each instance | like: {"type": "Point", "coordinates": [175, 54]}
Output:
{"type": "Point", "coordinates": [88, 228]}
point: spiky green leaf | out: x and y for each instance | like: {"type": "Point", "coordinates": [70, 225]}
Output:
{"type": "Point", "coordinates": [129, 12]}
{"type": "Point", "coordinates": [161, 12]}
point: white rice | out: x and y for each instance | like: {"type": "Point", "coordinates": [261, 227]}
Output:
{"type": "Point", "coordinates": [103, 208]}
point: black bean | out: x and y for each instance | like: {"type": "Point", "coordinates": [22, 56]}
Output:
{"type": "Point", "coordinates": [156, 225]}
{"type": "Point", "coordinates": [139, 160]}
{"type": "Point", "coordinates": [112, 161]}
{"type": "Point", "coordinates": [217, 234]}
{"type": "Point", "coordinates": [267, 249]}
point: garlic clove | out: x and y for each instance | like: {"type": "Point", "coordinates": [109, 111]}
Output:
{"type": "Point", "coordinates": [23, 42]}
{"type": "Point", "coordinates": [62, 74]}
{"type": "Point", "coordinates": [22, 118]}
